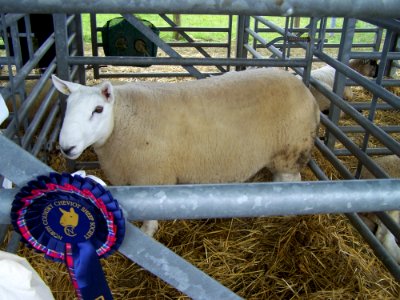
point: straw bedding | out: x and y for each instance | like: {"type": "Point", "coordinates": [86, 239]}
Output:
{"type": "Point", "coordinates": [287, 257]}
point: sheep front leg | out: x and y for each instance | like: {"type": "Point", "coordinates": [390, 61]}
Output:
{"type": "Point", "coordinates": [149, 227]}
{"type": "Point", "coordinates": [387, 238]}
{"type": "Point", "coordinates": [287, 177]}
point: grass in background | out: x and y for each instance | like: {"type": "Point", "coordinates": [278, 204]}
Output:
{"type": "Point", "coordinates": [220, 21]}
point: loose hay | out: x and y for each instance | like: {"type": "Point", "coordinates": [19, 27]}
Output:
{"type": "Point", "coordinates": [290, 257]}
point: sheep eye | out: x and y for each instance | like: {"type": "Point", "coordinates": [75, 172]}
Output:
{"type": "Point", "coordinates": [98, 110]}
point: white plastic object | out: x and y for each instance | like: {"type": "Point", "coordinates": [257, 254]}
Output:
{"type": "Point", "coordinates": [3, 110]}
{"type": "Point", "coordinates": [18, 280]}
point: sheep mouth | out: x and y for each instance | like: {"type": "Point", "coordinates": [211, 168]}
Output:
{"type": "Point", "coordinates": [70, 153]}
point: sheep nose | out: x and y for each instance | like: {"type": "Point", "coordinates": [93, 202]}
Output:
{"type": "Point", "coordinates": [67, 151]}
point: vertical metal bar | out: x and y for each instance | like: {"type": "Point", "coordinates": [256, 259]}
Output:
{"type": "Point", "coordinates": [285, 38]}
{"type": "Point", "coordinates": [16, 45]}
{"type": "Point", "coordinates": [346, 42]}
{"type": "Point", "coordinates": [95, 44]}
{"type": "Point", "coordinates": [255, 30]}
{"type": "Point", "coordinates": [242, 38]}
{"type": "Point", "coordinates": [394, 65]}
{"type": "Point", "coordinates": [321, 34]}
{"type": "Point", "coordinates": [310, 50]}
{"type": "Point", "coordinates": [291, 31]}
{"type": "Point", "coordinates": [28, 35]}
{"type": "Point", "coordinates": [62, 54]}
{"type": "Point", "coordinates": [79, 45]}
{"type": "Point", "coordinates": [17, 62]}
{"type": "Point", "coordinates": [229, 49]}
{"type": "Point", "coordinates": [378, 38]}
{"type": "Point", "coordinates": [61, 41]}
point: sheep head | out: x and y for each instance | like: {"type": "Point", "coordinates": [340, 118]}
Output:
{"type": "Point", "coordinates": [88, 117]}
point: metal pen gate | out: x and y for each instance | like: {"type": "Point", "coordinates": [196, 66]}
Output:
{"type": "Point", "coordinates": [37, 133]}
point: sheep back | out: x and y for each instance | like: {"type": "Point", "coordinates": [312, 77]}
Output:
{"type": "Point", "coordinates": [326, 75]}
{"type": "Point", "coordinates": [221, 129]}
{"type": "Point", "coordinates": [389, 163]}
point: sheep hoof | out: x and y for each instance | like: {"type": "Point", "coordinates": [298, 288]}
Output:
{"type": "Point", "coordinates": [149, 227]}
{"type": "Point", "coordinates": [288, 177]}
{"type": "Point", "coordinates": [389, 242]}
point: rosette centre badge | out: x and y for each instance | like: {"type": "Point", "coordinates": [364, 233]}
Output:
{"type": "Point", "coordinates": [68, 221]}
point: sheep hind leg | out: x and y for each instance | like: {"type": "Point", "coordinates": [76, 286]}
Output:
{"type": "Point", "coordinates": [280, 176]}
{"type": "Point", "coordinates": [149, 227]}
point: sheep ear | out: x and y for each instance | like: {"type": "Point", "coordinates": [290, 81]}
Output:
{"type": "Point", "coordinates": [63, 86]}
{"type": "Point", "coordinates": [107, 91]}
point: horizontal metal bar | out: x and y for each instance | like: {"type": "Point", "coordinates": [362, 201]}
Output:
{"type": "Point", "coordinates": [358, 45]}
{"type": "Point", "coordinates": [87, 165]}
{"type": "Point", "coordinates": [393, 25]}
{"type": "Point", "coordinates": [360, 129]}
{"type": "Point", "coordinates": [342, 8]}
{"type": "Point", "coordinates": [248, 199]}
{"type": "Point", "coordinates": [374, 55]}
{"type": "Point", "coordinates": [368, 151]}
{"type": "Point", "coordinates": [327, 30]}
{"type": "Point", "coordinates": [194, 29]}
{"type": "Point", "coordinates": [384, 82]}
{"type": "Point", "coordinates": [198, 44]}
{"type": "Point", "coordinates": [131, 60]}
{"type": "Point", "coordinates": [151, 75]}
{"type": "Point", "coordinates": [186, 29]}
{"type": "Point", "coordinates": [27, 168]}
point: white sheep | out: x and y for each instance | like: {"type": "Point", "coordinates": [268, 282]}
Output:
{"type": "Point", "coordinates": [326, 75]}
{"type": "Point", "coordinates": [219, 129]}
{"type": "Point", "coordinates": [391, 164]}
{"type": "Point", "coordinates": [37, 102]}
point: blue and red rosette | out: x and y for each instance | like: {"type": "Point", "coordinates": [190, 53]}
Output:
{"type": "Point", "coordinates": [73, 220]}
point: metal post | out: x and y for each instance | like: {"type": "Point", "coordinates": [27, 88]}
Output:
{"type": "Point", "coordinates": [242, 38]}
{"type": "Point", "coordinates": [346, 42]}
{"type": "Point", "coordinates": [95, 43]}
{"type": "Point", "coordinates": [304, 8]}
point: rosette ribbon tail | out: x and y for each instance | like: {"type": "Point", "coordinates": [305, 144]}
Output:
{"type": "Point", "coordinates": [86, 273]}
